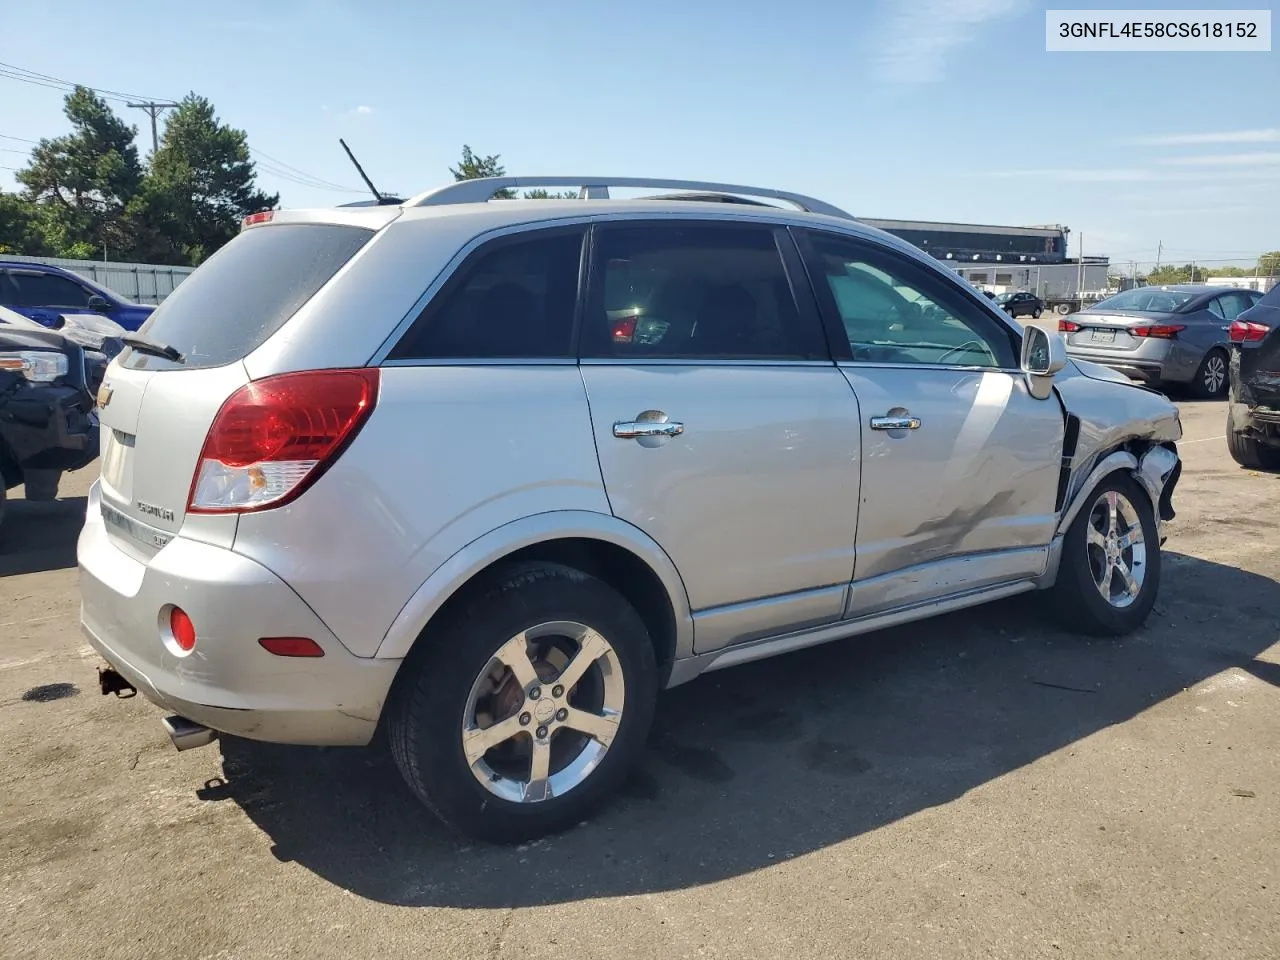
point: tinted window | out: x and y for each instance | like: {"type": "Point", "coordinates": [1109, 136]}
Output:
{"type": "Point", "coordinates": [513, 298]}
{"type": "Point", "coordinates": [684, 290]}
{"type": "Point", "coordinates": [895, 311]}
{"type": "Point", "coordinates": [1215, 307]}
{"type": "Point", "coordinates": [246, 291]}
{"type": "Point", "coordinates": [46, 290]}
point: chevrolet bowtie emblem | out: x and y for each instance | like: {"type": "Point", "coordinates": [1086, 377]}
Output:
{"type": "Point", "coordinates": [104, 395]}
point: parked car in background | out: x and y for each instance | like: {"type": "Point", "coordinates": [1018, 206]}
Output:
{"type": "Point", "coordinates": [1021, 304]}
{"type": "Point", "coordinates": [47, 419]}
{"type": "Point", "coordinates": [43, 292]}
{"type": "Point", "coordinates": [1175, 334]}
{"type": "Point", "coordinates": [1253, 410]}
{"type": "Point", "coordinates": [682, 422]}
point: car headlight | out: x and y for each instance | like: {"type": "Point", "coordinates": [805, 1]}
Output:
{"type": "Point", "coordinates": [39, 366]}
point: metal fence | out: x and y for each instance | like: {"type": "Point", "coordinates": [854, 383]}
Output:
{"type": "Point", "coordinates": [139, 282]}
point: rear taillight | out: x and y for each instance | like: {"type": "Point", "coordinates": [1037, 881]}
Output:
{"type": "Point", "coordinates": [1161, 331]}
{"type": "Point", "coordinates": [273, 438]}
{"type": "Point", "coordinates": [1243, 331]}
{"type": "Point", "coordinates": [1068, 326]}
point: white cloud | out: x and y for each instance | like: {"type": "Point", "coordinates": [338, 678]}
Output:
{"type": "Point", "coordinates": [917, 36]}
{"type": "Point", "coordinates": [1223, 160]}
{"type": "Point", "coordinates": [362, 109]}
{"type": "Point", "coordinates": [1193, 139]}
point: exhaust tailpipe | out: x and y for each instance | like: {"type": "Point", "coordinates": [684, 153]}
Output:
{"type": "Point", "coordinates": [187, 734]}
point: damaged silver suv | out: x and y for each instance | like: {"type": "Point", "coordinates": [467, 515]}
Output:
{"type": "Point", "coordinates": [491, 473]}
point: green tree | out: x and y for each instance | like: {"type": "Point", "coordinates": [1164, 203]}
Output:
{"type": "Point", "coordinates": [81, 183]}
{"type": "Point", "coordinates": [20, 227]}
{"type": "Point", "coordinates": [540, 194]}
{"type": "Point", "coordinates": [1269, 264]}
{"type": "Point", "coordinates": [473, 167]}
{"type": "Point", "coordinates": [1170, 274]}
{"type": "Point", "coordinates": [200, 186]}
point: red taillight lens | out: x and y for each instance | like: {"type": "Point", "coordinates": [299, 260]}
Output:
{"type": "Point", "coordinates": [1243, 331]}
{"type": "Point", "coordinates": [1068, 326]}
{"type": "Point", "coordinates": [624, 329]}
{"type": "Point", "coordinates": [274, 437]}
{"type": "Point", "coordinates": [291, 646]}
{"type": "Point", "coordinates": [1161, 331]}
{"type": "Point", "coordinates": [183, 630]}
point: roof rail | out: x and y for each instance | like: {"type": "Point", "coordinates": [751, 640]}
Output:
{"type": "Point", "coordinates": [482, 189]}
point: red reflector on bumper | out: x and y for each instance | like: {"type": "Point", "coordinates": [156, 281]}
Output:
{"type": "Point", "coordinates": [291, 646]}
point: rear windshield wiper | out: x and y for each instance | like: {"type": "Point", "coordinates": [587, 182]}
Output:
{"type": "Point", "coordinates": [143, 345]}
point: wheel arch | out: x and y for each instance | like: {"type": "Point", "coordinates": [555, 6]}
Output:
{"type": "Point", "coordinates": [618, 553]}
{"type": "Point", "coordinates": [1155, 465]}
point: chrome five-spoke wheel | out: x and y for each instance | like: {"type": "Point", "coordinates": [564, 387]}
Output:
{"type": "Point", "coordinates": [543, 713]}
{"type": "Point", "coordinates": [1117, 549]}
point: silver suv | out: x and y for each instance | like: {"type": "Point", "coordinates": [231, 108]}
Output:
{"type": "Point", "coordinates": [489, 475]}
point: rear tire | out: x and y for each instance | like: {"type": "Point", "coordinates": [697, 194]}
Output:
{"type": "Point", "coordinates": [460, 682]}
{"type": "Point", "coordinates": [1211, 378]}
{"type": "Point", "coordinates": [1250, 452]}
{"type": "Point", "coordinates": [1110, 570]}
{"type": "Point", "coordinates": [1035, 314]}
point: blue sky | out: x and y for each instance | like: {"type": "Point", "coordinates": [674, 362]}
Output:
{"type": "Point", "coordinates": [928, 109]}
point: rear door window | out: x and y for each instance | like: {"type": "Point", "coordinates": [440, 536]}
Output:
{"type": "Point", "coordinates": [246, 291]}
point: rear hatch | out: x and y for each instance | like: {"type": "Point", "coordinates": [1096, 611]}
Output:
{"type": "Point", "coordinates": [1110, 331]}
{"type": "Point", "coordinates": [156, 410]}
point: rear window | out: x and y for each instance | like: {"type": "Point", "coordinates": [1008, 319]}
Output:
{"type": "Point", "coordinates": [246, 291]}
{"type": "Point", "coordinates": [1147, 300]}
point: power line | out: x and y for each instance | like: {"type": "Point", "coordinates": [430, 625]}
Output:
{"type": "Point", "coordinates": [5, 136]}
{"type": "Point", "coordinates": [153, 107]}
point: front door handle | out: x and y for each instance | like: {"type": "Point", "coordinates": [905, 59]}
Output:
{"type": "Point", "coordinates": [895, 423]}
{"type": "Point", "coordinates": [637, 429]}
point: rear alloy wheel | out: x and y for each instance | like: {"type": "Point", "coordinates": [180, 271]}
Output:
{"type": "Point", "coordinates": [528, 706]}
{"type": "Point", "coordinates": [1036, 313]}
{"type": "Point", "coordinates": [1211, 378]}
{"type": "Point", "coordinates": [1110, 570]}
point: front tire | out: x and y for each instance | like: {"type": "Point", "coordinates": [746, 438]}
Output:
{"type": "Point", "coordinates": [1110, 570]}
{"type": "Point", "coordinates": [1211, 378]}
{"type": "Point", "coordinates": [527, 706]}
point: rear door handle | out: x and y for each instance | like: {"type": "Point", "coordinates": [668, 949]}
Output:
{"type": "Point", "coordinates": [634, 429]}
{"type": "Point", "coordinates": [895, 423]}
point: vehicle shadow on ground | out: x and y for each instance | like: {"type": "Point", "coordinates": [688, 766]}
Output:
{"type": "Point", "coordinates": [757, 764]}
{"type": "Point", "coordinates": [40, 536]}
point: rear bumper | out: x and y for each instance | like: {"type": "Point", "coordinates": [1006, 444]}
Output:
{"type": "Point", "coordinates": [228, 683]}
{"type": "Point", "coordinates": [1144, 371]}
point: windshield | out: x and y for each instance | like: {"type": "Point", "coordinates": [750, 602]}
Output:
{"type": "Point", "coordinates": [1147, 300]}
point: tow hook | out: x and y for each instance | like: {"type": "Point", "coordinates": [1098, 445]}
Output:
{"type": "Point", "coordinates": [110, 681]}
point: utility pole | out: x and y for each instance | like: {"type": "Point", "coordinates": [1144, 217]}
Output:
{"type": "Point", "coordinates": [153, 110]}
{"type": "Point", "coordinates": [1159, 250]}
{"type": "Point", "coordinates": [1080, 270]}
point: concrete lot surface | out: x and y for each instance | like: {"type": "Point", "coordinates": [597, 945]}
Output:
{"type": "Point", "coordinates": [978, 785]}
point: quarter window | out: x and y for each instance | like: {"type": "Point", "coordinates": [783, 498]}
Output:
{"type": "Point", "coordinates": [896, 311]}
{"type": "Point", "coordinates": [698, 291]}
{"type": "Point", "coordinates": [514, 298]}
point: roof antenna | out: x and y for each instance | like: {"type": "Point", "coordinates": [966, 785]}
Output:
{"type": "Point", "coordinates": [380, 198]}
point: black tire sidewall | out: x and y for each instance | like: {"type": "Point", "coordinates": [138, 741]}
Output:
{"type": "Point", "coordinates": [1078, 596]}
{"type": "Point", "coordinates": [434, 699]}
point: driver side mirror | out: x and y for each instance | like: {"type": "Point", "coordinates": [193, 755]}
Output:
{"type": "Point", "coordinates": [99, 304]}
{"type": "Point", "coordinates": [1043, 355]}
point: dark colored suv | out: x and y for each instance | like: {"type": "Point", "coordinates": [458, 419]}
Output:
{"type": "Point", "coordinates": [1253, 411]}
{"type": "Point", "coordinates": [1021, 304]}
{"type": "Point", "coordinates": [43, 292]}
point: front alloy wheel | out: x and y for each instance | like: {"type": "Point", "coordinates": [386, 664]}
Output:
{"type": "Point", "coordinates": [1109, 573]}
